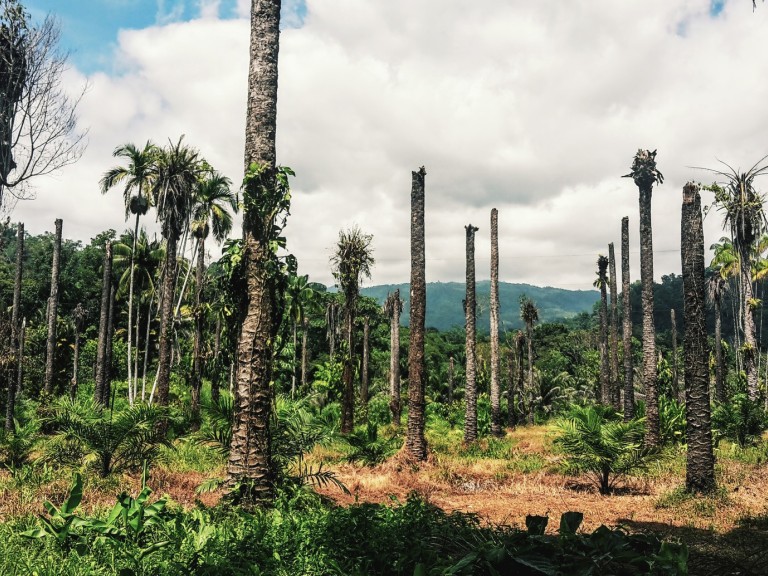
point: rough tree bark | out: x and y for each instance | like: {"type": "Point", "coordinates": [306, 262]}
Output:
{"type": "Point", "coordinates": [629, 370]}
{"type": "Point", "coordinates": [614, 331]}
{"type": "Point", "coordinates": [700, 463]}
{"type": "Point", "coordinates": [496, 429]}
{"type": "Point", "coordinates": [605, 372]}
{"type": "Point", "coordinates": [470, 314]}
{"type": "Point", "coordinates": [364, 366]}
{"type": "Point", "coordinates": [416, 444]}
{"type": "Point", "coordinates": [53, 308]}
{"type": "Point", "coordinates": [394, 307]}
{"type": "Point", "coordinates": [197, 345]}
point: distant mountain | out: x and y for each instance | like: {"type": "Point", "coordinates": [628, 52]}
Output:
{"type": "Point", "coordinates": [445, 309]}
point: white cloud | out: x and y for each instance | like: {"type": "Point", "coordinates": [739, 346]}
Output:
{"type": "Point", "coordinates": [535, 108]}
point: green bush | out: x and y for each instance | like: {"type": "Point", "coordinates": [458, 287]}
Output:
{"type": "Point", "coordinates": [740, 420]}
{"type": "Point", "coordinates": [597, 442]}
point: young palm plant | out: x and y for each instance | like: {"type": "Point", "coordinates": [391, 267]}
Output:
{"type": "Point", "coordinates": [596, 442]}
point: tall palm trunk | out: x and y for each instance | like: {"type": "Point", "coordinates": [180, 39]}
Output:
{"type": "Point", "coordinates": [749, 348]}
{"type": "Point", "coordinates": [166, 321]}
{"type": "Point", "coordinates": [75, 365]}
{"type": "Point", "coordinates": [53, 308]}
{"type": "Point", "coordinates": [700, 462]}
{"type": "Point", "coordinates": [470, 314]}
{"type": "Point", "coordinates": [197, 347]}
{"type": "Point", "coordinates": [629, 371]}
{"type": "Point", "coordinates": [107, 390]}
{"type": "Point", "coordinates": [451, 371]}
{"type": "Point", "coordinates": [394, 306]}
{"type": "Point", "coordinates": [529, 341]}
{"type": "Point", "coordinates": [652, 434]}
{"type": "Point", "coordinates": [15, 329]}
{"type": "Point", "coordinates": [101, 351]}
{"type": "Point", "coordinates": [516, 390]}
{"type": "Point", "coordinates": [250, 455]}
{"type": "Point", "coordinates": [416, 444]}
{"type": "Point", "coordinates": [364, 367]}
{"type": "Point", "coordinates": [304, 353]}
{"type": "Point", "coordinates": [347, 376]}
{"type": "Point", "coordinates": [605, 373]}
{"type": "Point", "coordinates": [129, 349]}
{"type": "Point", "coordinates": [614, 331]}
{"type": "Point", "coordinates": [495, 362]}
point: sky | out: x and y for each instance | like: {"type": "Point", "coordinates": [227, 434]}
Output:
{"type": "Point", "coordinates": [534, 108]}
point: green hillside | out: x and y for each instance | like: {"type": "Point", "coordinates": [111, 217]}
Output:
{"type": "Point", "coordinates": [445, 311]}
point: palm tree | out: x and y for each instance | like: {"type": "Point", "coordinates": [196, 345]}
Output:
{"type": "Point", "coordinates": [470, 313]}
{"type": "Point", "coordinates": [614, 330]}
{"type": "Point", "coordinates": [138, 176]}
{"type": "Point", "coordinates": [415, 443]}
{"type": "Point", "coordinates": [495, 362]}
{"type": "Point", "coordinates": [53, 306]}
{"type": "Point", "coordinates": [716, 286]}
{"type": "Point", "coordinates": [299, 297]}
{"type": "Point", "coordinates": [675, 379]}
{"type": "Point", "coordinates": [351, 263]}
{"type": "Point", "coordinates": [213, 200]}
{"type": "Point", "coordinates": [393, 306]}
{"type": "Point", "coordinates": [529, 314]}
{"type": "Point", "coordinates": [745, 217]}
{"type": "Point", "coordinates": [605, 377]}
{"type": "Point", "coordinates": [178, 169]}
{"type": "Point", "coordinates": [700, 463]}
{"type": "Point", "coordinates": [99, 396]}
{"type": "Point", "coordinates": [645, 174]}
{"type": "Point", "coordinates": [629, 371]}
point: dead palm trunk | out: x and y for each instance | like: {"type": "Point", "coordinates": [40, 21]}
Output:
{"type": "Point", "coordinates": [700, 462]}
{"type": "Point", "coordinates": [495, 362]}
{"type": "Point", "coordinates": [416, 444]}
{"type": "Point", "coordinates": [107, 391]}
{"type": "Point", "coordinates": [197, 347]}
{"type": "Point", "coordinates": [645, 175]}
{"type": "Point", "coordinates": [53, 307]}
{"type": "Point", "coordinates": [605, 374]}
{"type": "Point", "coordinates": [101, 352]}
{"type": "Point", "coordinates": [250, 456]}
{"type": "Point", "coordinates": [470, 312]}
{"type": "Point", "coordinates": [15, 329]}
{"type": "Point", "coordinates": [347, 376]}
{"type": "Point", "coordinates": [614, 331]}
{"type": "Point", "coordinates": [719, 371]}
{"type": "Point", "coordinates": [393, 308]}
{"type": "Point", "coordinates": [629, 371]}
{"type": "Point", "coordinates": [749, 348]}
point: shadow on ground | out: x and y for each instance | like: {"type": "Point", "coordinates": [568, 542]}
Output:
{"type": "Point", "coordinates": [742, 551]}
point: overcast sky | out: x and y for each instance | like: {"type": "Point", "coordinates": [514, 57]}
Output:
{"type": "Point", "coordinates": [535, 108]}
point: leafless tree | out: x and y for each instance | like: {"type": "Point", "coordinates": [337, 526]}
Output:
{"type": "Point", "coordinates": [38, 124]}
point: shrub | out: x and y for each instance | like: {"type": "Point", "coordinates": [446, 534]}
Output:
{"type": "Point", "coordinates": [740, 420]}
{"type": "Point", "coordinates": [597, 442]}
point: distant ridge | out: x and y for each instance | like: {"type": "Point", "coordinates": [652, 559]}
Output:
{"type": "Point", "coordinates": [445, 310]}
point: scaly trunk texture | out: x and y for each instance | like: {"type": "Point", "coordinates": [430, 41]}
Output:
{"type": "Point", "coordinates": [511, 413]}
{"type": "Point", "coordinates": [748, 318]}
{"type": "Point", "coordinates": [495, 362]}
{"type": "Point", "coordinates": [53, 308]}
{"type": "Point", "coordinates": [675, 379]}
{"type": "Point", "coordinates": [131, 380]}
{"type": "Point", "coordinates": [719, 370]}
{"type": "Point", "coordinates": [652, 434]}
{"type": "Point", "coordinates": [416, 444]}
{"type": "Point", "coordinates": [629, 370]}
{"type": "Point", "coordinates": [164, 355]}
{"type": "Point", "coordinates": [101, 350]}
{"type": "Point", "coordinates": [347, 375]}
{"type": "Point", "coordinates": [250, 456]}
{"type": "Point", "coordinates": [700, 463]}
{"type": "Point", "coordinates": [364, 367]}
{"type": "Point", "coordinates": [197, 346]}
{"type": "Point", "coordinates": [394, 307]}
{"type": "Point", "coordinates": [10, 405]}
{"type": "Point", "coordinates": [519, 341]}
{"type": "Point", "coordinates": [605, 371]}
{"type": "Point", "coordinates": [614, 331]}
{"type": "Point", "coordinates": [451, 369]}
{"type": "Point", "coordinates": [75, 365]}
{"type": "Point", "coordinates": [470, 314]}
